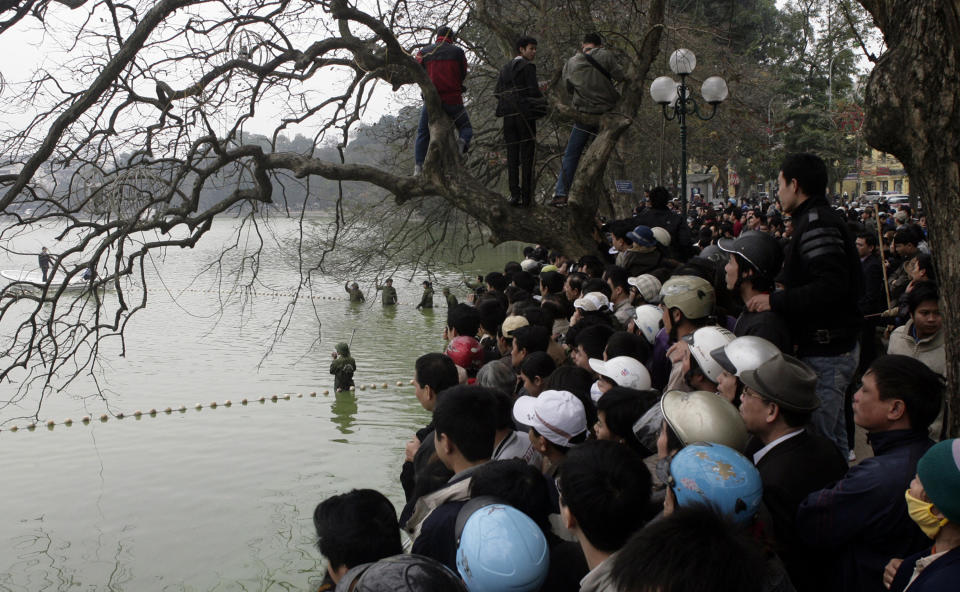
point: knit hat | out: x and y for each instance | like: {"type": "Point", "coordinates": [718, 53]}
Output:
{"type": "Point", "coordinates": [939, 472]}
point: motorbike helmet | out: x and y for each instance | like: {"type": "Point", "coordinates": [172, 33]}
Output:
{"type": "Point", "coordinates": [703, 417]}
{"type": "Point", "coordinates": [499, 548]}
{"type": "Point", "coordinates": [623, 371]}
{"type": "Point", "coordinates": [702, 342]}
{"type": "Point", "coordinates": [717, 476]}
{"type": "Point", "coordinates": [761, 250]}
{"type": "Point", "coordinates": [648, 319]}
{"type": "Point", "coordinates": [401, 573]}
{"type": "Point", "coordinates": [465, 352]}
{"type": "Point", "coordinates": [714, 254]}
{"type": "Point", "coordinates": [693, 295]}
{"type": "Point", "coordinates": [744, 353]}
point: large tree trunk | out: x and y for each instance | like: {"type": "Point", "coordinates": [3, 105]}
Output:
{"type": "Point", "coordinates": [913, 112]}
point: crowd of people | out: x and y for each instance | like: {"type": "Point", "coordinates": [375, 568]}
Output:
{"type": "Point", "coordinates": [678, 413]}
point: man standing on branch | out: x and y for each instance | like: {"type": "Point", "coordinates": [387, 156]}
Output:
{"type": "Point", "coordinates": [446, 65]}
{"type": "Point", "coordinates": [520, 103]}
{"type": "Point", "coordinates": [822, 280]}
{"type": "Point", "coordinates": [589, 77]}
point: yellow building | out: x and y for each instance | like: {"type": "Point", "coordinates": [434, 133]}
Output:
{"type": "Point", "coordinates": [877, 172]}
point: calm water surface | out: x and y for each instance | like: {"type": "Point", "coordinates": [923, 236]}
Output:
{"type": "Point", "coordinates": [217, 499]}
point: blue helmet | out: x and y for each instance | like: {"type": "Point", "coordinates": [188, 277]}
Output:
{"type": "Point", "coordinates": [717, 476]}
{"type": "Point", "coordinates": [499, 548]}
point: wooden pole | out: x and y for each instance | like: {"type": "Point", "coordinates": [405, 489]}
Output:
{"type": "Point", "coordinates": [883, 262]}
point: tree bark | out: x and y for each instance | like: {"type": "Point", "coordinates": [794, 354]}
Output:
{"type": "Point", "coordinates": [913, 112]}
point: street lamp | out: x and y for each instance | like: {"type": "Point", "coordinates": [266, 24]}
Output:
{"type": "Point", "coordinates": [674, 97]}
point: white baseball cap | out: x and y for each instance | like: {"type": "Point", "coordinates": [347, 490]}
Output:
{"type": "Point", "coordinates": [558, 416]}
{"type": "Point", "coordinates": [592, 301]}
{"type": "Point", "coordinates": [624, 371]}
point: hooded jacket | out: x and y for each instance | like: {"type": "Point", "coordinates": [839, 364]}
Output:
{"type": "Point", "coordinates": [343, 368]}
{"type": "Point", "coordinates": [592, 91]}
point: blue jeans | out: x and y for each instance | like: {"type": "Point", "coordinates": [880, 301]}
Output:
{"type": "Point", "coordinates": [579, 136]}
{"type": "Point", "coordinates": [460, 119]}
{"type": "Point", "coordinates": [834, 374]}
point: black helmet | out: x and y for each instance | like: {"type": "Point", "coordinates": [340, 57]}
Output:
{"type": "Point", "coordinates": [401, 573]}
{"type": "Point", "coordinates": [714, 254]}
{"type": "Point", "coordinates": [759, 249]}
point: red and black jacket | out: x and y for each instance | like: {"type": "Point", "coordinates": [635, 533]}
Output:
{"type": "Point", "coordinates": [446, 65]}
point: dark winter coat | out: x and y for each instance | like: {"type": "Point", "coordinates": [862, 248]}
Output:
{"type": "Point", "coordinates": [822, 280]}
{"type": "Point", "coordinates": [861, 522]}
{"type": "Point", "coordinates": [517, 89]}
{"type": "Point", "coordinates": [943, 575]}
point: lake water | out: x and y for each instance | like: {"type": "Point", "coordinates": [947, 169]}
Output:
{"type": "Point", "coordinates": [221, 498]}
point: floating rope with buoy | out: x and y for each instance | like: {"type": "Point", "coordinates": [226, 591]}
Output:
{"type": "Point", "coordinates": [138, 414]}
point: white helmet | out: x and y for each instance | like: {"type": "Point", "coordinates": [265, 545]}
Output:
{"type": "Point", "coordinates": [648, 320]}
{"type": "Point", "coordinates": [623, 371]}
{"type": "Point", "coordinates": [703, 341]}
{"type": "Point", "coordinates": [662, 235]}
{"type": "Point", "coordinates": [744, 353]}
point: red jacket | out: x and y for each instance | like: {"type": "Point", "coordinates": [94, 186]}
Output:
{"type": "Point", "coordinates": [446, 65]}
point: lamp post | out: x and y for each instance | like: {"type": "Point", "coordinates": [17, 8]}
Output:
{"type": "Point", "coordinates": [674, 97]}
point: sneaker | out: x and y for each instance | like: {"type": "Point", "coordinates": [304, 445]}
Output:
{"type": "Point", "coordinates": [515, 202]}
{"type": "Point", "coordinates": [559, 201]}
{"type": "Point", "coordinates": [417, 170]}
{"type": "Point", "coordinates": [461, 146]}
{"type": "Point", "coordinates": [852, 456]}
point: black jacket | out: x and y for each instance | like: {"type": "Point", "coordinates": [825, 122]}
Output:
{"type": "Point", "coordinates": [790, 471]}
{"type": "Point", "coordinates": [768, 325]}
{"type": "Point", "coordinates": [681, 245]}
{"type": "Point", "coordinates": [517, 89]}
{"type": "Point", "coordinates": [873, 299]}
{"type": "Point", "coordinates": [823, 282]}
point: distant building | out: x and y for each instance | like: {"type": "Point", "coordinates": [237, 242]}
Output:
{"type": "Point", "coordinates": [877, 172]}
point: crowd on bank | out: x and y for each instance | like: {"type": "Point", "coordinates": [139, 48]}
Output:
{"type": "Point", "coordinates": [673, 415]}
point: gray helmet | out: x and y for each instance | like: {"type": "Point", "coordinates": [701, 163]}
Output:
{"type": "Point", "coordinates": [744, 353]}
{"type": "Point", "coordinates": [693, 295]}
{"type": "Point", "coordinates": [704, 417]}
{"type": "Point", "coordinates": [401, 573]}
{"type": "Point", "coordinates": [759, 249]}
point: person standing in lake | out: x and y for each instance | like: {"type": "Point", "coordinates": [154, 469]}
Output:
{"type": "Point", "coordinates": [342, 368]}
{"type": "Point", "coordinates": [44, 260]}
{"type": "Point", "coordinates": [451, 298]}
{"type": "Point", "coordinates": [354, 291]}
{"type": "Point", "coordinates": [426, 301]}
{"type": "Point", "coordinates": [389, 292]}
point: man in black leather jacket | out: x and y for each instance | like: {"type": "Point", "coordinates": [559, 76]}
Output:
{"type": "Point", "coordinates": [822, 284]}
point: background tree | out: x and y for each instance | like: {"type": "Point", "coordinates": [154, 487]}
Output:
{"type": "Point", "coordinates": [913, 112]}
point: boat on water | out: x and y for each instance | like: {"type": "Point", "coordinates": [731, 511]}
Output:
{"type": "Point", "coordinates": [34, 279]}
